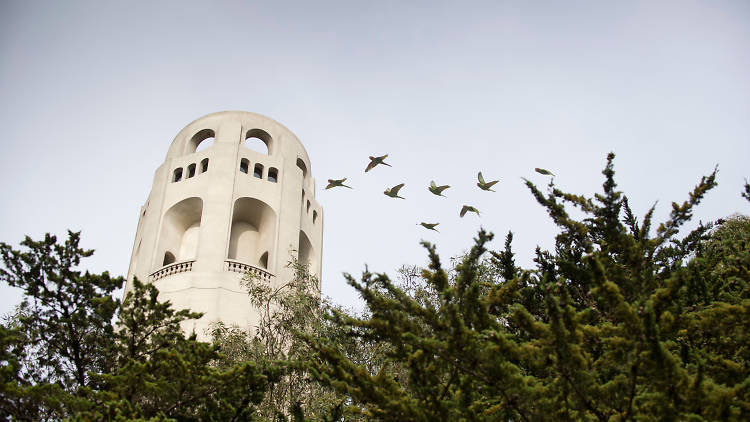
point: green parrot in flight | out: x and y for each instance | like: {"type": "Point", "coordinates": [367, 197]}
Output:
{"type": "Point", "coordinates": [393, 192]}
{"type": "Point", "coordinates": [374, 161]}
{"type": "Point", "coordinates": [544, 172]}
{"type": "Point", "coordinates": [467, 208]}
{"type": "Point", "coordinates": [485, 185]}
{"type": "Point", "coordinates": [334, 183]}
{"type": "Point", "coordinates": [437, 190]}
{"type": "Point", "coordinates": [429, 226]}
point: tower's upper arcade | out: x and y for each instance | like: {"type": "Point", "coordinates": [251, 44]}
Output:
{"type": "Point", "coordinates": [234, 127]}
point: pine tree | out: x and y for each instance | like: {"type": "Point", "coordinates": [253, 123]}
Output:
{"type": "Point", "coordinates": [59, 334]}
{"type": "Point", "coordinates": [616, 323]}
{"type": "Point", "coordinates": [65, 315]}
{"type": "Point", "coordinates": [62, 358]}
{"type": "Point", "coordinates": [160, 374]}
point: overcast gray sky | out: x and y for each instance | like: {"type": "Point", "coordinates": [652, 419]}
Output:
{"type": "Point", "coordinates": [93, 92]}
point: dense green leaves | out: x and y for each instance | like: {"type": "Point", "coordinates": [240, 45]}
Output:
{"type": "Point", "coordinates": [66, 315]}
{"type": "Point", "coordinates": [180, 382]}
{"type": "Point", "coordinates": [61, 356]}
{"type": "Point", "coordinates": [145, 325]}
{"type": "Point", "coordinates": [615, 324]}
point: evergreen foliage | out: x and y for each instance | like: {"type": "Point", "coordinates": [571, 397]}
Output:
{"type": "Point", "coordinates": [615, 324]}
{"type": "Point", "coordinates": [64, 359]}
{"type": "Point", "coordinates": [67, 312]}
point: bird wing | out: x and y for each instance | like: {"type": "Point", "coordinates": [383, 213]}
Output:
{"type": "Point", "coordinates": [440, 189]}
{"type": "Point", "coordinates": [432, 184]}
{"type": "Point", "coordinates": [490, 184]}
{"type": "Point", "coordinates": [463, 210]}
{"type": "Point", "coordinates": [543, 171]}
{"type": "Point", "coordinates": [372, 165]}
{"type": "Point", "coordinates": [397, 188]}
{"type": "Point", "coordinates": [481, 179]}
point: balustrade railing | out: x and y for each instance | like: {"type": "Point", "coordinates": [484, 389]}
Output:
{"type": "Point", "coordinates": [177, 267]}
{"type": "Point", "coordinates": [241, 267]}
{"type": "Point", "coordinates": [229, 265]}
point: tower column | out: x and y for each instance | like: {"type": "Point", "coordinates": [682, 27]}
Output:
{"type": "Point", "coordinates": [289, 217]}
{"type": "Point", "coordinates": [217, 200]}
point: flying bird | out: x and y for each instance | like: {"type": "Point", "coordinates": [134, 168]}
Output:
{"type": "Point", "coordinates": [485, 185]}
{"type": "Point", "coordinates": [467, 208]}
{"type": "Point", "coordinates": [437, 190]}
{"type": "Point", "coordinates": [393, 192]}
{"type": "Point", "coordinates": [429, 226]}
{"type": "Point", "coordinates": [544, 172]}
{"type": "Point", "coordinates": [374, 161]}
{"type": "Point", "coordinates": [334, 183]}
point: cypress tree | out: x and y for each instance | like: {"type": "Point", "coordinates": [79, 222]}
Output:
{"type": "Point", "coordinates": [616, 323]}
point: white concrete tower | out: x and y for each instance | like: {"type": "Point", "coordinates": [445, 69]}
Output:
{"type": "Point", "coordinates": [217, 212]}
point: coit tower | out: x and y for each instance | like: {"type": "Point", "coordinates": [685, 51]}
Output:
{"type": "Point", "coordinates": [234, 195]}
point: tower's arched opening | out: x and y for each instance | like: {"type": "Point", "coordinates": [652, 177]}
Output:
{"type": "Point", "coordinates": [178, 239]}
{"type": "Point", "coordinates": [201, 140]}
{"type": "Point", "coordinates": [302, 166]}
{"type": "Point", "coordinates": [168, 258]}
{"type": "Point", "coordinates": [273, 174]}
{"type": "Point", "coordinates": [305, 250]}
{"type": "Point", "coordinates": [258, 140]}
{"type": "Point", "coordinates": [253, 229]}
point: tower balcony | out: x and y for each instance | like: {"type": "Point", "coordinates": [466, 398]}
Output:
{"type": "Point", "coordinates": [229, 265]}
{"type": "Point", "coordinates": [174, 268]}
{"type": "Point", "coordinates": [241, 267]}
